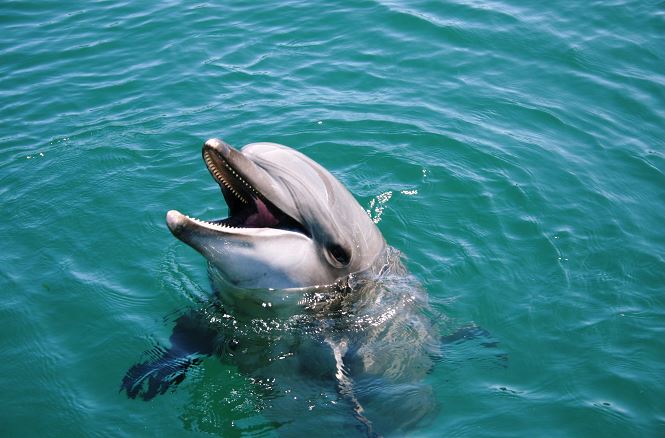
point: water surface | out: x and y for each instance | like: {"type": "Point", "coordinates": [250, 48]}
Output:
{"type": "Point", "coordinates": [514, 153]}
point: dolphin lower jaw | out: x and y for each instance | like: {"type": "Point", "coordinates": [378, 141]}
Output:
{"type": "Point", "coordinates": [253, 258]}
{"type": "Point", "coordinates": [186, 228]}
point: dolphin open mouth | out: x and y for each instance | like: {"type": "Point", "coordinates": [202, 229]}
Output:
{"type": "Point", "coordinates": [248, 207]}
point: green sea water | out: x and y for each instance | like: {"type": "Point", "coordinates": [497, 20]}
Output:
{"type": "Point", "coordinates": [514, 152]}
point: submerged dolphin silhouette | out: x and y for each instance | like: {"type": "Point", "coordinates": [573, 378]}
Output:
{"type": "Point", "coordinates": [305, 286]}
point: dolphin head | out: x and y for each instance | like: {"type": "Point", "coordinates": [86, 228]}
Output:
{"type": "Point", "coordinates": [291, 223]}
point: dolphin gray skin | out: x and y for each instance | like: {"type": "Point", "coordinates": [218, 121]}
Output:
{"type": "Point", "coordinates": [310, 303]}
{"type": "Point", "coordinates": [291, 223]}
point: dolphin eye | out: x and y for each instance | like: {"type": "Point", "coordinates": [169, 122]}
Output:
{"type": "Point", "coordinates": [339, 254]}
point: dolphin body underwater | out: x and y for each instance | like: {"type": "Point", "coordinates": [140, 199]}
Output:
{"type": "Point", "coordinates": [309, 301]}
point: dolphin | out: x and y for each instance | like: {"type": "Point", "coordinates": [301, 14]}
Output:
{"type": "Point", "coordinates": [291, 223]}
{"type": "Point", "coordinates": [307, 293]}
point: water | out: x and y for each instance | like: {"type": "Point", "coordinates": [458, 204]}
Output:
{"type": "Point", "coordinates": [513, 153]}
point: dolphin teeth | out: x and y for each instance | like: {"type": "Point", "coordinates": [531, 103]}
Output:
{"type": "Point", "coordinates": [240, 178]}
{"type": "Point", "coordinates": [220, 225]}
{"type": "Point", "coordinates": [216, 172]}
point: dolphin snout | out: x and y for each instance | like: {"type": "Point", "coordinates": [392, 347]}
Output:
{"type": "Point", "coordinates": [218, 145]}
{"type": "Point", "coordinates": [175, 221]}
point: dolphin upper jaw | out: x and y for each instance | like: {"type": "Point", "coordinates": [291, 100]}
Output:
{"type": "Point", "coordinates": [250, 179]}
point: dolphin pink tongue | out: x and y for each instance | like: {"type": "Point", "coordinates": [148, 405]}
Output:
{"type": "Point", "coordinates": [262, 217]}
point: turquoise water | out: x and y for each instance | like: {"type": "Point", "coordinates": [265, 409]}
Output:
{"type": "Point", "coordinates": [514, 153]}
